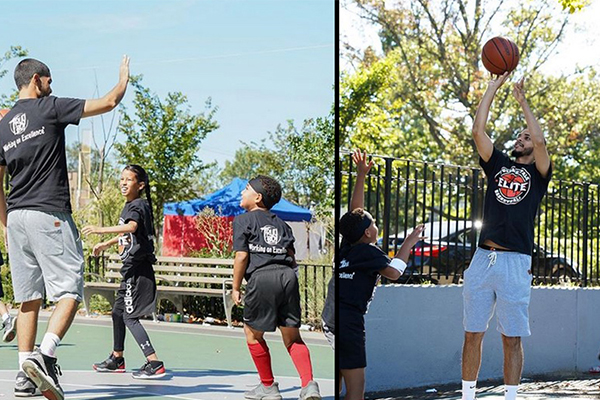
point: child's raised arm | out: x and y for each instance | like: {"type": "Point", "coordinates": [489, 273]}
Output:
{"type": "Point", "coordinates": [362, 169]}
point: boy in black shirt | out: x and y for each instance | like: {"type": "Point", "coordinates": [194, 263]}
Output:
{"type": "Point", "coordinates": [44, 247]}
{"type": "Point", "coordinates": [361, 264]}
{"type": "Point", "coordinates": [264, 247]}
{"type": "Point", "coordinates": [500, 272]}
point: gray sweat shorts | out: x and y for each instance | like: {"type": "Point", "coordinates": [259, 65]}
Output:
{"type": "Point", "coordinates": [500, 280]}
{"type": "Point", "coordinates": [45, 253]}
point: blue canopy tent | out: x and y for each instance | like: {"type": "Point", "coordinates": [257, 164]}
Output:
{"type": "Point", "coordinates": [179, 223]}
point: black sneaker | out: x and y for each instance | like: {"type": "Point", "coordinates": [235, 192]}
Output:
{"type": "Point", "coordinates": [150, 370]}
{"type": "Point", "coordinates": [111, 364]}
{"type": "Point", "coordinates": [24, 387]}
{"type": "Point", "coordinates": [43, 371]}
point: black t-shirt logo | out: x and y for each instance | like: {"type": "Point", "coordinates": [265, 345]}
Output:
{"type": "Point", "coordinates": [513, 185]}
{"type": "Point", "coordinates": [19, 123]}
{"type": "Point", "coordinates": [271, 235]}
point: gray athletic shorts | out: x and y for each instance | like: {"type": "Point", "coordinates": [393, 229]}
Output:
{"type": "Point", "coordinates": [501, 280]}
{"type": "Point", "coordinates": [45, 252]}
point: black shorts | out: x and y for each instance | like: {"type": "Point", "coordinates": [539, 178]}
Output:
{"type": "Point", "coordinates": [351, 340]}
{"type": "Point", "coordinates": [272, 299]}
{"type": "Point", "coordinates": [137, 295]}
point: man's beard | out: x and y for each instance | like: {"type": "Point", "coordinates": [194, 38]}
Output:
{"type": "Point", "coordinates": [524, 152]}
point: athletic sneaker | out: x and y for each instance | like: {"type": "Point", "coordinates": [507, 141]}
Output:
{"type": "Point", "coordinates": [310, 392]}
{"type": "Point", "coordinates": [150, 370]}
{"type": "Point", "coordinates": [10, 329]}
{"type": "Point", "coordinates": [43, 371]}
{"type": "Point", "coordinates": [111, 364]}
{"type": "Point", "coordinates": [262, 392]}
{"type": "Point", "coordinates": [24, 387]}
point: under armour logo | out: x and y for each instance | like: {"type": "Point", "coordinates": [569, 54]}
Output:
{"type": "Point", "coordinates": [144, 345]}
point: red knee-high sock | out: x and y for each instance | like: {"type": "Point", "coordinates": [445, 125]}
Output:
{"type": "Point", "coordinates": [301, 358]}
{"type": "Point", "coordinates": [262, 359]}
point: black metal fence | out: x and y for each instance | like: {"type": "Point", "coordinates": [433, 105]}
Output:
{"type": "Point", "coordinates": [448, 199]}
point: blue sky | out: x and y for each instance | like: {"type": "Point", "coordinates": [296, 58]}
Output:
{"type": "Point", "coordinates": [261, 62]}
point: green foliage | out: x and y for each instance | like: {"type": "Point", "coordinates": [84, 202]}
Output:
{"type": "Point", "coordinates": [574, 5]}
{"type": "Point", "coordinates": [102, 211]}
{"type": "Point", "coordinates": [418, 100]}
{"type": "Point", "coordinates": [301, 159]}
{"type": "Point", "coordinates": [7, 101]}
{"type": "Point", "coordinates": [163, 136]}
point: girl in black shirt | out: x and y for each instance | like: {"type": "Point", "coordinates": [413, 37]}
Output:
{"type": "Point", "coordinates": [137, 295]}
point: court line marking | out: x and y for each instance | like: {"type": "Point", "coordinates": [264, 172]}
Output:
{"type": "Point", "coordinates": [192, 333]}
{"type": "Point", "coordinates": [79, 371]}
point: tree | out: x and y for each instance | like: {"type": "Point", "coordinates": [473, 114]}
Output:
{"type": "Point", "coordinates": [301, 159]}
{"type": "Point", "coordinates": [573, 5]}
{"type": "Point", "coordinates": [418, 100]}
{"type": "Point", "coordinates": [163, 136]}
{"type": "Point", "coordinates": [7, 101]}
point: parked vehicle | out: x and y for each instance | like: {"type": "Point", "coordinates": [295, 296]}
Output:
{"type": "Point", "coordinates": [443, 257]}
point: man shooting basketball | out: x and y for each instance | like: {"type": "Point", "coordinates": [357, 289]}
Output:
{"type": "Point", "coordinates": [500, 271]}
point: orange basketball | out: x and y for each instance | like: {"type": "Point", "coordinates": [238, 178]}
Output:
{"type": "Point", "coordinates": [3, 112]}
{"type": "Point", "coordinates": [500, 55]}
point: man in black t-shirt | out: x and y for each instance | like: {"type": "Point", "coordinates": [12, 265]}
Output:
{"type": "Point", "coordinates": [44, 247]}
{"type": "Point", "coordinates": [264, 255]}
{"type": "Point", "coordinates": [500, 272]}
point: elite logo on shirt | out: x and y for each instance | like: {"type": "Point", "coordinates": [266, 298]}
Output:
{"type": "Point", "coordinates": [270, 235]}
{"type": "Point", "coordinates": [513, 185]}
{"type": "Point", "coordinates": [19, 123]}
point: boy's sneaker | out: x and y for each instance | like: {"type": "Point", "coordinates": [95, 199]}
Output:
{"type": "Point", "coordinates": [150, 370]}
{"type": "Point", "coordinates": [111, 364]}
{"type": "Point", "coordinates": [43, 371]}
{"type": "Point", "coordinates": [310, 392]}
{"type": "Point", "coordinates": [262, 392]}
{"type": "Point", "coordinates": [24, 387]}
{"type": "Point", "coordinates": [10, 329]}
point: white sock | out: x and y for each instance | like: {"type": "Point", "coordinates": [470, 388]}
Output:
{"type": "Point", "coordinates": [23, 355]}
{"type": "Point", "coordinates": [468, 390]}
{"type": "Point", "coordinates": [5, 317]}
{"type": "Point", "coordinates": [510, 392]}
{"type": "Point", "coordinates": [49, 344]}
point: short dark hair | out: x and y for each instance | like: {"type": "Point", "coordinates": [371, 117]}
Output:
{"type": "Point", "coordinates": [350, 223]}
{"type": "Point", "coordinates": [271, 187]}
{"type": "Point", "coordinates": [25, 70]}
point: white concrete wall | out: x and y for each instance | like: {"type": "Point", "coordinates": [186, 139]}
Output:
{"type": "Point", "coordinates": [415, 335]}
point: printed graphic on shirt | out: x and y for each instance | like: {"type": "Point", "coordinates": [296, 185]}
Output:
{"type": "Point", "coordinates": [271, 235]}
{"type": "Point", "coordinates": [513, 185]}
{"type": "Point", "coordinates": [345, 275]}
{"type": "Point", "coordinates": [125, 242]}
{"type": "Point", "coordinates": [18, 125]}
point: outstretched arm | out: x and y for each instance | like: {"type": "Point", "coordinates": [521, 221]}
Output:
{"type": "Point", "coordinates": [484, 144]}
{"type": "Point", "coordinates": [110, 100]}
{"type": "Point", "coordinates": [540, 152]}
{"type": "Point", "coordinates": [129, 227]}
{"type": "Point", "coordinates": [362, 169]}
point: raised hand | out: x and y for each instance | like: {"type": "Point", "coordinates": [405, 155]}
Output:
{"type": "Point", "coordinates": [498, 81]}
{"type": "Point", "coordinates": [519, 90]}
{"type": "Point", "coordinates": [362, 165]}
{"type": "Point", "coordinates": [124, 69]}
{"type": "Point", "coordinates": [415, 236]}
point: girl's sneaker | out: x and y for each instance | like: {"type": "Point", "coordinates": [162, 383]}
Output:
{"type": "Point", "coordinates": [111, 364]}
{"type": "Point", "coordinates": [150, 370]}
